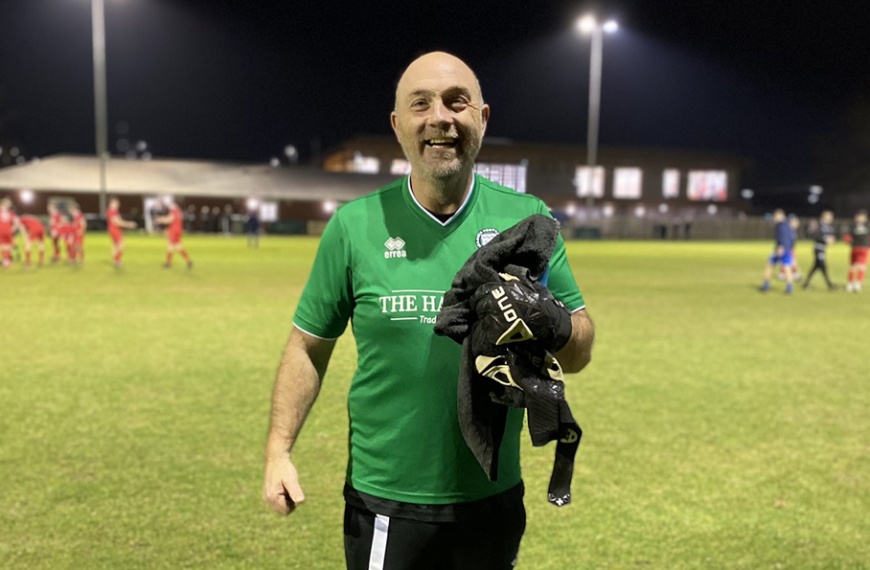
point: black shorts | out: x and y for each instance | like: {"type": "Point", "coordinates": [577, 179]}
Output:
{"type": "Point", "coordinates": [485, 535]}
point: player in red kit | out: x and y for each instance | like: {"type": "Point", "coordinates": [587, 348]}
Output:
{"type": "Point", "coordinates": [175, 222]}
{"type": "Point", "coordinates": [79, 228]}
{"type": "Point", "coordinates": [55, 221]}
{"type": "Point", "coordinates": [8, 225]}
{"type": "Point", "coordinates": [859, 237]}
{"type": "Point", "coordinates": [66, 234]}
{"type": "Point", "coordinates": [32, 231]}
{"type": "Point", "coordinates": [116, 224]}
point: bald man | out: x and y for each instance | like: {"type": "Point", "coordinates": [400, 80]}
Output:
{"type": "Point", "coordinates": [416, 498]}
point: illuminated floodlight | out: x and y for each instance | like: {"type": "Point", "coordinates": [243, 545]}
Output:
{"type": "Point", "coordinates": [663, 208]}
{"type": "Point", "coordinates": [747, 194]}
{"type": "Point", "coordinates": [610, 26]}
{"type": "Point", "coordinates": [253, 204]}
{"type": "Point", "coordinates": [586, 24]}
{"type": "Point", "coordinates": [274, 163]}
{"type": "Point", "coordinates": [607, 210]}
{"type": "Point", "coordinates": [20, 160]}
{"type": "Point", "coordinates": [571, 209]}
{"type": "Point", "coordinates": [329, 206]}
{"type": "Point", "coordinates": [14, 151]}
{"type": "Point", "coordinates": [27, 196]}
{"type": "Point", "coordinates": [815, 190]}
{"type": "Point", "coordinates": [141, 146]}
{"type": "Point", "coordinates": [712, 209]}
{"type": "Point", "coordinates": [290, 151]}
{"type": "Point", "coordinates": [813, 199]}
{"type": "Point", "coordinates": [640, 211]}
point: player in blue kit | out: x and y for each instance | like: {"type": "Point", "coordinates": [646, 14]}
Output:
{"type": "Point", "coordinates": [782, 254]}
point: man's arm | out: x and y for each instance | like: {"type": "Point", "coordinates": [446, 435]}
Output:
{"type": "Point", "coordinates": [577, 353]}
{"type": "Point", "coordinates": [297, 384]}
{"type": "Point", "coordinates": [120, 222]}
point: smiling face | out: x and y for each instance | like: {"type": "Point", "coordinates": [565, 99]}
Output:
{"type": "Point", "coordinates": [440, 117]}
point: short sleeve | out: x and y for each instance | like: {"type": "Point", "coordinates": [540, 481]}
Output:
{"type": "Point", "coordinates": [327, 300]}
{"type": "Point", "coordinates": [561, 280]}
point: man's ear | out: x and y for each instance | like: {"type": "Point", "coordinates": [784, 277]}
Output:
{"type": "Point", "coordinates": [394, 122]}
{"type": "Point", "coordinates": [484, 117]}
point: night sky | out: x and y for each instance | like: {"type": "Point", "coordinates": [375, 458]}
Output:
{"type": "Point", "coordinates": [767, 80]}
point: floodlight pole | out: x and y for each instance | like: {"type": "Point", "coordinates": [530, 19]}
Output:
{"type": "Point", "coordinates": [595, 60]}
{"type": "Point", "coordinates": [98, 26]}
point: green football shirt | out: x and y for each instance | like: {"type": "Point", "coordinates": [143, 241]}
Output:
{"type": "Point", "coordinates": [385, 263]}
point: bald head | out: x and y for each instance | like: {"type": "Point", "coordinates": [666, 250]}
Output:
{"type": "Point", "coordinates": [437, 66]}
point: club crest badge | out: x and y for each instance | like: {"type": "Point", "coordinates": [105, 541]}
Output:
{"type": "Point", "coordinates": [485, 236]}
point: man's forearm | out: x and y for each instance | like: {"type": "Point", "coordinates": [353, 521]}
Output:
{"type": "Point", "coordinates": [297, 384]}
{"type": "Point", "coordinates": [577, 353]}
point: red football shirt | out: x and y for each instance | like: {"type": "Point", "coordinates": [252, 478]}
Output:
{"type": "Point", "coordinates": [177, 223]}
{"type": "Point", "coordinates": [33, 225]}
{"type": "Point", "coordinates": [7, 221]}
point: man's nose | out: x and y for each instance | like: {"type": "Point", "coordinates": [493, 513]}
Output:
{"type": "Point", "coordinates": [441, 114]}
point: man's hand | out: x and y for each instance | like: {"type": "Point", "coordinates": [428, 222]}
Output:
{"type": "Point", "coordinates": [515, 310]}
{"type": "Point", "coordinates": [281, 489]}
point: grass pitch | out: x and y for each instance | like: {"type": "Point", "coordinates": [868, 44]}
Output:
{"type": "Point", "coordinates": [724, 428]}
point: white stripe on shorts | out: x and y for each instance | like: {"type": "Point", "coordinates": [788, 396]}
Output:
{"type": "Point", "coordinates": [379, 542]}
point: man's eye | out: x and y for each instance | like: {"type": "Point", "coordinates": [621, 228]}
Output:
{"type": "Point", "coordinates": [419, 104]}
{"type": "Point", "coordinates": [459, 104]}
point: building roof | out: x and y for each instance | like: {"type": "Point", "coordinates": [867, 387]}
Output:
{"type": "Point", "coordinates": [81, 174]}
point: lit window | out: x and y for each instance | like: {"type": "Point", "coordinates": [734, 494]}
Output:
{"type": "Point", "coordinates": [510, 175]}
{"type": "Point", "coordinates": [581, 181]}
{"type": "Point", "coordinates": [269, 212]}
{"type": "Point", "coordinates": [364, 164]}
{"type": "Point", "coordinates": [708, 185]}
{"type": "Point", "coordinates": [627, 183]}
{"type": "Point", "coordinates": [671, 183]}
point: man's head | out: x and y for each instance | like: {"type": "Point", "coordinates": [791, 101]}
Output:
{"type": "Point", "coordinates": [794, 222]}
{"type": "Point", "coordinates": [114, 203]}
{"type": "Point", "coordinates": [778, 215]}
{"type": "Point", "coordinates": [74, 209]}
{"type": "Point", "coordinates": [827, 217]}
{"type": "Point", "coordinates": [52, 209]}
{"type": "Point", "coordinates": [861, 216]}
{"type": "Point", "coordinates": [439, 116]}
{"type": "Point", "coordinates": [5, 203]}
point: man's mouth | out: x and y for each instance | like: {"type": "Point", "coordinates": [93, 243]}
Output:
{"type": "Point", "coordinates": [441, 142]}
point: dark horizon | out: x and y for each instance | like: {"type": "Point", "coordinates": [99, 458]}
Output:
{"type": "Point", "coordinates": [772, 83]}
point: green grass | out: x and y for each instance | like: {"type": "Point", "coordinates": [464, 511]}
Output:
{"type": "Point", "coordinates": [724, 428]}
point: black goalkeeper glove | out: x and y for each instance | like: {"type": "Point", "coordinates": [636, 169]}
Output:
{"type": "Point", "coordinates": [519, 310]}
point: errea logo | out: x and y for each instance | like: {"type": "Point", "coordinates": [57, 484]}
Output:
{"type": "Point", "coordinates": [394, 248]}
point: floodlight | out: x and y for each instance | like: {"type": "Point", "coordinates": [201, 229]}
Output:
{"type": "Point", "coordinates": [586, 24]}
